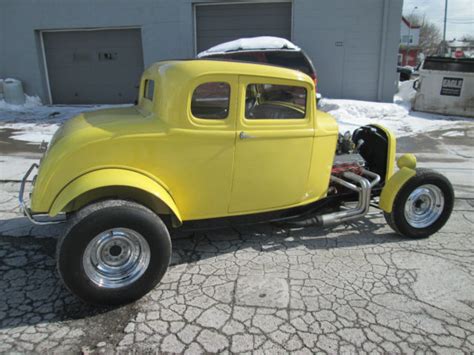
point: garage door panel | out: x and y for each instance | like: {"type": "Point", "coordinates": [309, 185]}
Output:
{"type": "Point", "coordinates": [94, 66]}
{"type": "Point", "coordinates": [244, 9]}
{"type": "Point", "coordinates": [91, 93]}
{"type": "Point", "coordinates": [237, 26]}
{"type": "Point", "coordinates": [220, 23]}
{"type": "Point", "coordinates": [94, 39]}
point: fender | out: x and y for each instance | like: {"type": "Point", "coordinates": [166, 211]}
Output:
{"type": "Point", "coordinates": [110, 178]}
{"type": "Point", "coordinates": [392, 149]}
{"type": "Point", "coordinates": [407, 165]}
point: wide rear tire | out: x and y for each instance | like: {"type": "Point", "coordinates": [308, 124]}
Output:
{"type": "Point", "coordinates": [114, 252]}
{"type": "Point", "coordinates": [422, 206]}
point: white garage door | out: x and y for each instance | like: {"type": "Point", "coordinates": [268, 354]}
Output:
{"type": "Point", "coordinates": [221, 23]}
{"type": "Point", "coordinates": [94, 67]}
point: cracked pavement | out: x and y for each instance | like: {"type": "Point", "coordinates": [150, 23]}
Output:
{"type": "Point", "coordinates": [268, 288]}
{"type": "Point", "coordinates": [353, 288]}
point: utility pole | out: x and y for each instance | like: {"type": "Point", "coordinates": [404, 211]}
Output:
{"type": "Point", "coordinates": [444, 30]}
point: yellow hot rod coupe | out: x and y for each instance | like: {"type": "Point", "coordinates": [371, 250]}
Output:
{"type": "Point", "coordinates": [213, 143]}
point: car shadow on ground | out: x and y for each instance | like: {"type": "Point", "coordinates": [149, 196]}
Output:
{"type": "Point", "coordinates": [32, 293]}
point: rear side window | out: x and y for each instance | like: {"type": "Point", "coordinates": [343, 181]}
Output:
{"type": "Point", "coordinates": [292, 60]}
{"type": "Point", "coordinates": [149, 89]}
{"type": "Point", "coordinates": [211, 101]}
{"type": "Point", "coordinates": [269, 101]}
{"type": "Point", "coordinates": [287, 59]}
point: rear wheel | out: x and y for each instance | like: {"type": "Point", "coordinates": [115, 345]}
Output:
{"type": "Point", "coordinates": [422, 206]}
{"type": "Point", "coordinates": [114, 252]}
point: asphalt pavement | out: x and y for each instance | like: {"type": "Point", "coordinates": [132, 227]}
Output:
{"type": "Point", "coordinates": [356, 287]}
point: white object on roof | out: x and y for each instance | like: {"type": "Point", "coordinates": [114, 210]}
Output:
{"type": "Point", "coordinates": [250, 44]}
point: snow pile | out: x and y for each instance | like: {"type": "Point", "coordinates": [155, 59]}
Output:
{"type": "Point", "coordinates": [398, 117]}
{"type": "Point", "coordinates": [406, 94]}
{"type": "Point", "coordinates": [248, 44]}
{"type": "Point", "coordinates": [31, 102]}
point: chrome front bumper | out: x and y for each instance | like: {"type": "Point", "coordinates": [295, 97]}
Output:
{"type": "Point", "coordinates": [23, 206]}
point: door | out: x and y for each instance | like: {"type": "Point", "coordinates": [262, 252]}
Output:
{"type": "Point", "coordinates": [225, 22]}
{"type": "Point", "coordinates": [273, 145]}
{"type": "Point", "coordinates": [94, 67]}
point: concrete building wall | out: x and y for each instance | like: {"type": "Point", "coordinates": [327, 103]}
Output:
{"type": "Point", "coordinates": [355, 52]}
{"type": "Point", "coordinates": [353, 44]}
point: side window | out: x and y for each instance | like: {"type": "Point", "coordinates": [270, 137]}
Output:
{"type": "Point", "coordinates": [149, 89]}
{"type": "Point", "coordinates": [211, 101]}
{"type": "Point", "coordinates": [275, 102]}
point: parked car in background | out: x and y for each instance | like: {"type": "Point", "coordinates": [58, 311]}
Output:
{"type": "Point", "coordinates": [405, 73]}
{"type": "Point", "coordinates": [266, 50]}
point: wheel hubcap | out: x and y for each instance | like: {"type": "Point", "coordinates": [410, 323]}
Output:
{"type": "Point", "coordinates": [424, 206]}
{"type": "Point", "coordinates": [116, 258]}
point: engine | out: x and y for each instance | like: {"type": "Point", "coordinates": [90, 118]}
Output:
{"type": "Point", "coordinates": [365, 150]}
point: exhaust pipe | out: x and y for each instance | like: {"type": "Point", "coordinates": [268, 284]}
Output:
{"type": "Point", "coordinates": [363, 203]}
{"type": "Point", "coordinates": [363, 188]}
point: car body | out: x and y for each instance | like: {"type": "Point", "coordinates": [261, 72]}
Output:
{"type": "Point", "coordinates": [212, 143]}
{"type": "Point", "coordinates": [197, 159]}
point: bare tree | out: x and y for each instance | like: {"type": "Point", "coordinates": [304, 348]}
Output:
{"type": "Point", "coordinates": [467, 38]}
{"type": "Point", "coordinates": [430, 34]}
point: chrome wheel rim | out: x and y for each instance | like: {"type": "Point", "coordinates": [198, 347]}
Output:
{"type": "Point", "coordinates": [424, 206]}
{"type": "Point", "coordinates": [116, 258]}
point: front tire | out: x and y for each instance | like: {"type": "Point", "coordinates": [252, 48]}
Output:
{"type": "Point", "coordinates": [422, 206]}
{"type": "Point", "coordinates": [113, 252]}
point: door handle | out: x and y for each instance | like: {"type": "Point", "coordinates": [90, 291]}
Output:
{"type": "Point", "coordinates": [244, 135]}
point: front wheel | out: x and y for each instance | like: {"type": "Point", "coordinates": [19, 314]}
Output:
{"type": "Point", "coordinates": [422, 206]}
{"type": "Point", "coordinates": [114, 252]}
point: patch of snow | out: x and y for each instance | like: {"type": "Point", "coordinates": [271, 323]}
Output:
{"type": "Point", "coordinates": [248, 44]}
{"type": "Point", "coordinates": [32, 133]}
{"type": "Point", "coordinates": [453, 134]}
{"type": "Point", "coordinates": [397, 116]}
{"type": "Point", "coordinates": [406, 94]}
{"type": "Point", "coordinates": [30, 102]}
{"type": "Point", "coordinates": [13, 167]}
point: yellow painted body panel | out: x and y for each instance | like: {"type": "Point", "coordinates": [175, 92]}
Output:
{"type": "Point", "coordinates": [407, 161]}
{"type": "Point", "coordinates": [271, 168]}
{"type": "Point", "coordinates": [114, 178]}
{"type": "Point", "coordinates": [201, 166]}
{"type": "Point", "coordinates": [393, 185]}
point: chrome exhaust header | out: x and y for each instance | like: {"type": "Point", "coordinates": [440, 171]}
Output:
{"type": "Point", "coordinates": [363, 187]}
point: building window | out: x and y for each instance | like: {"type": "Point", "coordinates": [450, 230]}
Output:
{"type": "Point", "coordinates": [211, 101]}
{"type": "Point", "coordinates": [269, 101]}
{"type": "Point", "coordinates": [407, 39]}
{"type": "Point", "coordinates": [149, 89]}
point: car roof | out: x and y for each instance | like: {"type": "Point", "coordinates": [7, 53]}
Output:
{"type": "Point", "coordinates": [190, 69]}
{"type": "Point", "coordinates": [251, 44]}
